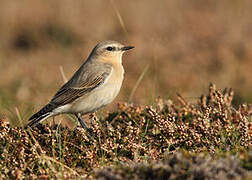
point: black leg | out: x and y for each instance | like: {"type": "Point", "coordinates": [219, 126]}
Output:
{"type": "Point", "coordinates": [83, 124]}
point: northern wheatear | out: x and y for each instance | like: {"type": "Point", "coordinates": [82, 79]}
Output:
{"type": "Point", "coordinates": [96, 84]}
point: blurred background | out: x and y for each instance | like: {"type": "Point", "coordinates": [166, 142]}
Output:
{"type": "Point", "coordinates": [180, 46]}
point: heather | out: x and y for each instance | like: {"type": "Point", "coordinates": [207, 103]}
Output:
{"type": "Point", "coordinates": [208, 139]}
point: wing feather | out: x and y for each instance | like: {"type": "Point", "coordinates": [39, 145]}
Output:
{"type": "Point", "coordinates": [81, 84]}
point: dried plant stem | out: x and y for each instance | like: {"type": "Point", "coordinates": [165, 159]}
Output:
{"type": "Point", "coordinates": [138, 82]}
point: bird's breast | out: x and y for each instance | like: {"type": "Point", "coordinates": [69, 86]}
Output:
{"type": "Point", "coordinates": [101, 96]}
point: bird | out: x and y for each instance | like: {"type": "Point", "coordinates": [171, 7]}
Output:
{"type": "Point", "coordinates": [94, 85]}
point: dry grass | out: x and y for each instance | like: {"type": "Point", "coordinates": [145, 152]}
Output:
{"type": "Point", "coordinates": [135, 135]}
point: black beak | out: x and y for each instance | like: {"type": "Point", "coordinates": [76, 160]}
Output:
{"type": "Point", "coordinates": [125, 48]}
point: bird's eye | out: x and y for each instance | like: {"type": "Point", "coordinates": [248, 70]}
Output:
{"type": "Point", "coordinates": [110, 48]}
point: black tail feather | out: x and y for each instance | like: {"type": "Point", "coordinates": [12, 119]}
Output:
{"type": "Point", "coordinates": [36, 121]}
{"type": "Point", "coordinates": [40, 115]}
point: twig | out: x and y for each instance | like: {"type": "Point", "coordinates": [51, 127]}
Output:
{"type": "Point", "coordinates": [63, 74]}
{"type": "Point", "coordinates": [138, 82]}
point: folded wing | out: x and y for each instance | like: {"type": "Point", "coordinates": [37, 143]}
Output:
{"type": "Point", "coordinates": [83, 85]}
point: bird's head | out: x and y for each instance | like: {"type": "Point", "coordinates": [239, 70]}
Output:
{"type": "Point", "coordinates": [110, 50]}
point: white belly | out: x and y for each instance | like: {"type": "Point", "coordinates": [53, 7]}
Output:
{"type": "Point", "coordinates": [96, 100]}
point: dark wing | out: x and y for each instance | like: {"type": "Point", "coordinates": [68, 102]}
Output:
{"type": "Point", "coordinates": [81, 84]}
